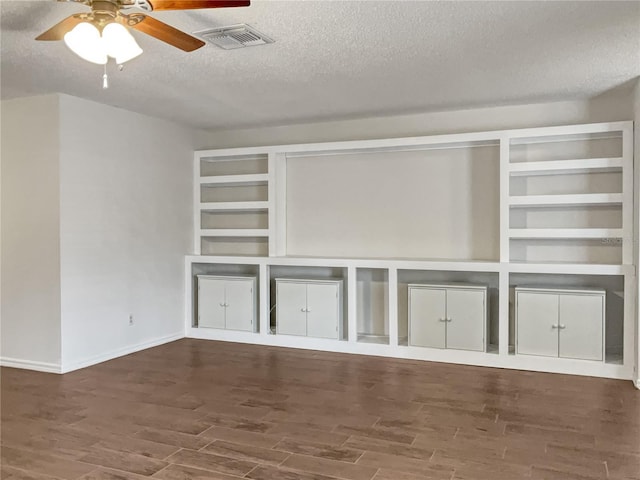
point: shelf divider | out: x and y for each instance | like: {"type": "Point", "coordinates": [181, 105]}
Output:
{"type": "Point", "coordinates": [557, 167]}
{"type": "Point", "coordinates": [565, 200]}
{"type": "Point", "coordinates": [233, 206]}
{"type": "Point", "coordinates": [229, 180]}
{"type": "Point", "coordinates": [234, 232]}
{"type": "Point", "coordinates": [569, 233]}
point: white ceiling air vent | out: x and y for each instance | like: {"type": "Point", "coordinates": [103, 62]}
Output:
{"type": "Point", "coordinates": [235, 36]}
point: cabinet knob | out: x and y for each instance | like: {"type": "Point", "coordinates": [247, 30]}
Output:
{"type": "Point", "coordinates": [222, 305]}
{"type": "Point", "coordinates": [442, 319]}
{"type": "Point", "coordinates": [448, 319]}
{"type": "Point", "coordinates": [562, 327]}
{"type": "Point", "coordinates": [555, 326]}
{"type": "Point", "coordinates": [303, 309]}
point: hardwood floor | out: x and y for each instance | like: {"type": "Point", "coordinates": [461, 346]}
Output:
{"type": "Point", "coordinates": [196, 409]}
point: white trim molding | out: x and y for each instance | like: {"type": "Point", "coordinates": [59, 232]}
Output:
{"type": "Point", "coordinates": [30, 365]}
{"type": "Point", "coordinates": [120, 352]}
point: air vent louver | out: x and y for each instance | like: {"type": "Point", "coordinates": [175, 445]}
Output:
{"type": "Point", "coordinates": [235, 36]}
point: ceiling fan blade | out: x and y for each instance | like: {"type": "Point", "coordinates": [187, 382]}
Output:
{"type": "Point", "coordinates": [195, 4]}
{"type": "Point", "coordinates": [58, 30]}
{"type": "Point", "coordinates": [166, 33]}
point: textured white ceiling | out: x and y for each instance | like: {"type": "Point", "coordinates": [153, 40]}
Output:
{"type": "Point", "coordinates": [340, 59]}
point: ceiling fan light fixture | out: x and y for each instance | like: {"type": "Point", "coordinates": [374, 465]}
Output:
{"type": "Point", "coordinates": [119, 43]}
{"type": "Point", "coordinates": [85, 41]}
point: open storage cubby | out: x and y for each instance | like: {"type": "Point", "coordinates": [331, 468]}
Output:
{"type": "Point", "coordinates": [373, 305]}
{"type": "Point", "coordinates": [613, 285]}
{"type": "Point", "coordinates": [458, 220]}
{"type": "Point", "coordinates": [436, 202]}
{"type": "Point", "coordinates": [239, 246]}
{"type": "Point", "coordinates": [434, 277]}
{"type": "Point", "coordinates": [233, 165]}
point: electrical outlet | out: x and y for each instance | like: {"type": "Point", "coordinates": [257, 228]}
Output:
{"type": "Point", "coordinates": [130, 319]}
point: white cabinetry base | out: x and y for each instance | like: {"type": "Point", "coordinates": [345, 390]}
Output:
{"type": "Point", "coordinates": [540, 364]}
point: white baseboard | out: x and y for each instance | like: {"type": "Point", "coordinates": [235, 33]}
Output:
{"type": "Point", "coordinates": [636, 382]}
{"type": "Point", "coordinates": [87, 362]}
{"type": "Point", "coordinates": [30, 365]}
{"type": "Point", "coordinates": [462, 357]}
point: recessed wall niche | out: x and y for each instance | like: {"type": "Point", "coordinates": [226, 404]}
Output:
{"type": "Point", "coordinates": [430, 203]}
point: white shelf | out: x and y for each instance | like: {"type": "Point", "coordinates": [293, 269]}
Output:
{"type": "Point", "coordinates": [564, 137]}
{"type": "Point", "coordinates": [557, 167]}
{"type": "Point", "coordinates": [558, 233]}
{"type": "Point", "coordinates": [233, 206]}
{"type": "Point", "coordinates": [234, 232]}
{"type": "Point", "coordinates": [571, 268]}
{"type": "Point", "coordinates": [378, 339]}
{"type": "Point", "coordinates": [565, 200]}
{"type": "Point", "coordinates": [232, 180]}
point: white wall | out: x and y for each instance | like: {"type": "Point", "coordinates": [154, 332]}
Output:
{"type": "Point", "coordinates": [413, 204]}
{"type": "Point", "coordinates": [126, 224]}
{"type": "Point", "coordinates": [30, 275]}
{"type": "Point", "coordinates": [609, 107]}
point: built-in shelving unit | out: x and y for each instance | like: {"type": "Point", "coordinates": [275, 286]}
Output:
{"type": "Point", "coordinates": [562, 188]}
{"type": "Point", "coordinates": [232, 208]}
{"type": "Point", "coordinates": [541, 206]}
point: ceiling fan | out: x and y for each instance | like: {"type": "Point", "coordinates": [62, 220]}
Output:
{"type": "Point", "coordinates": [102, 32]}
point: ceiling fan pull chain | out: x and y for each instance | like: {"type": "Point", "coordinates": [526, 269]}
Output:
{"type": "Point", "coordinates": [105, 78]}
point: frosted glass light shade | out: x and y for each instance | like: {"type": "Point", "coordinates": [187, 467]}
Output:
{"type": "Point", "coordinates": [119, 43]}
{"type": "Point", "coordinates": [84, 40]}
{"type": "Point", "coordinates": [116, 41]}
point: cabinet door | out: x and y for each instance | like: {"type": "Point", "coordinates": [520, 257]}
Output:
{"type": "Point", "coordinates": [466, 319]}
{"type": "Point", "coordinates": [291, 306]}
{"type": "Point", "coordinates": [427, 315]}
{"type": "Point", "coordinates": [322, 310]}
{"type": "Point", "coordinates": [211, 310]}
{"type": "Point", "coordinates": [537, 324]}
{"type": "Point", "coordinates": [581, 325]}
{"type": "Point", "coordinates": [240, 309]}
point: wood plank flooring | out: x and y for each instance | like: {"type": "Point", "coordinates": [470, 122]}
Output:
{"type": "Point", "coordinates": [196, 409]}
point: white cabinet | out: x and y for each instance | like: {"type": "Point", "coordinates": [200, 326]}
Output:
{"type": "Point", "coordinates": [291, 307]}
{"type": "Point", "coordinates": [567, 323]}
{"type": "Point", "coordinates": [448, 316]}
{"type": "Point", "coordinates": [227, 302]}
{"type": "Point", "coordinates": [310, 308]}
